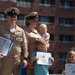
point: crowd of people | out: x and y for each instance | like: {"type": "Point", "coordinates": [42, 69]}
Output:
{"type": "Point", "coordinates": [26, 43]}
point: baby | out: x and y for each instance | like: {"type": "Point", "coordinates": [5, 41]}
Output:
{"type": "Point", "coordinates": [44, 34]}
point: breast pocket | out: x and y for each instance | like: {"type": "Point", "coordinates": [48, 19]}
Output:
{"type": "Point", "coordinates": [19, 38]}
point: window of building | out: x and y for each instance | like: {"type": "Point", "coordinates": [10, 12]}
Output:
{"type": "Point", "coordinates": [4, 0]}
{"type": "Point", "coordinates": [67, 4]}
{"type": "Point", "coordinates": [66, 21]}
{"type": "Point", "coordinates": [10, 0]}
{"type": "Point", "coordinates": [47, 2]}
{"type": "Point", "coordinates": [51, 38]}
{"type": "Point", "coordinates": [2, 16]}
{"type": "Point", "coordinates": [44, 1]}
{"type": "Point", "coordinates": [21, 17]}
{"type": "Point", "coordinates": [26, 0]}
{"type": "Point", "coordinates": [21, 20]}
{"type": "Point", "coordinates": [46, 19]}
{"type": "Point", "coordinates": [25, 3]}
{"type": "Point", "coordinates": [66, 38]}
{"type": "Point", "coordinates": [62, 56]}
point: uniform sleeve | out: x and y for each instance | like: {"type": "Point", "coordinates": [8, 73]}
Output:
{"type": "Point", "coordinates": [27, 38]}
{"type": "Point", "coordinates": [24, 46]}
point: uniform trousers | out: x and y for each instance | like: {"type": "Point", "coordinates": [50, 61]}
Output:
{"type": "Point", "coordinates": [8, 66]}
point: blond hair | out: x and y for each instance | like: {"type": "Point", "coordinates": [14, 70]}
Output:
{"type": "Point", "coordinates": [43, 25]}
{"type": "Point", "coordinates": [69, 54]}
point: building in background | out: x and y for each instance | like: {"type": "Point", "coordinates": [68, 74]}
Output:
{"type": "Point", "coordinates": [59, 15]}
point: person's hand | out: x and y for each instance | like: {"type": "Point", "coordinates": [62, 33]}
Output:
{"type": "Point", "coordinates": [30, 65]}
{"type": "Point", "coordinates": [63, 72]}
{"type": "Point", "coordinates": [1, 55]}
{"type": "Point", "coordinates": [36, 58]}
{"type": "Point", "coordinates": [52, 59]}
{"type": "Point", "coordinates": [25, 63]}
